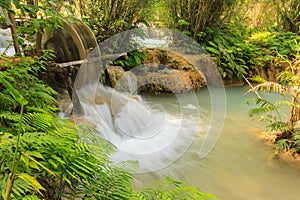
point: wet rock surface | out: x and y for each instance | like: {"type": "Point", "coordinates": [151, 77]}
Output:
{"type": "Point", "coordinates": [160, 72]}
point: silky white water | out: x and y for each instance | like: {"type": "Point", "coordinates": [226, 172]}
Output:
{"type": "Point", "coordinates": [5, 42]}
{"type": "Point", "coordinates": [143, 131]}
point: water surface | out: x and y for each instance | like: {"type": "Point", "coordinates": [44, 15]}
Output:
{"type": "Point", "coordinates": [241, 166]}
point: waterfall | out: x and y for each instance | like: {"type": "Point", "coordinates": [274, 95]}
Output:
{"type": "Point", "coordinates": [141, 130]}
{"type": "Point", "coordinates": [5, 42]}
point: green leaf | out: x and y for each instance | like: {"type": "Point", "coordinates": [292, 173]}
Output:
{"type": "Point", "coordinates": [259, 79]}
{"type": "Point", "coordinates": [16, 95]}
{"type": "Point", "coordinates": [31, 181]}
{"type": "Point", "coordinates": [31, 197]}
{"type": "Point", "coordinates": [40, 164]}
{"type": "Point", "coordinates": [58, 159]}
{"type": "Point", "coordinates": [35, 154]}
{"type": "Point", "coordinates": [25, 160]}
{"type": "Point", "coordinates": [33, 165]}
{"type": "Point", "coordinates": [4, 14]}
{"type": "Point", "coordinates": [213, 50]}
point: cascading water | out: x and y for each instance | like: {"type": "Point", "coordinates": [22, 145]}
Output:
{"type": "Point", "coordinates": [156, 130]}
{"type": "Point", "coordinates": [5, 42]}
{"type": "Point", "coordinates": [143, 132]}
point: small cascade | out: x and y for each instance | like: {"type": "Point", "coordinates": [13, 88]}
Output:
{"type": "Point", "coordinates": [141, 131]}
{"type": "Point", "coordinates": [144, 131]}
{"type": "Point", "coordinates": [5, 42]}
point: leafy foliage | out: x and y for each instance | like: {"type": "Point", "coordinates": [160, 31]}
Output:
{"type": "Point", "coordinates": [36, 18]}
{"type": "Point", "coordinates": [240, 51]}
{"type": "Point", "coordinates": [232, 54]}
{"type": "Point", "coordinates": [288, 85]}
{"type": "Point", "coordinates": [43, 156]}
{"type": "Point", "coordinates": [172, 189]}
{"type": "Point", "coordinates": [108, 18]}
{"type": "Point", "coordinates": [130, 60]}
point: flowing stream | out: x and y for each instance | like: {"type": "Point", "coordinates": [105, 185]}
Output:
{"type": "Point", "coordinates": [241, 166]}
{"type": "Point", "coordinates": [169, 134]}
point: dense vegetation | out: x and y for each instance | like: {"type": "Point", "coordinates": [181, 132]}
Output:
{"type": "Point", "coordinates": [286, 125]}
{"type": "Point", "coordinates": [256, 40]}
{"type": "Point", "coordinates": [42, 156]}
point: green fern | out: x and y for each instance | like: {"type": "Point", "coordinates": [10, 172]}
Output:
{"type": "Point", "coordinates": [288, 85]}
{"type": "Point", "coordinates": [264, 107]}
{"type": "Point", "coordinates": [268, 87]}
{"type": "Point", "coordinates": [49, 157]}
{"type": "Point", "coordinates": [171, 189]}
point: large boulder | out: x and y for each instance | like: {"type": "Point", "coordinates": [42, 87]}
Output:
{"type": "Point", "coordinates": [161, 72]}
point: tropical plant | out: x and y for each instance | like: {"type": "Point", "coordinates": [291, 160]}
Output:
{"type": "Point", "coordinates": [107, 18]}
{"type": "Point", "coordinates": [289, 15]}
{"type": "Point", "coordinates": [35, 18]}
{"type": "Point", "coordinates": [192, 17]}
{"type": "Point", "coordinates": [287, 130]}
{"type": "Point", "coordinates": [228, 46]}
{"type": "Point", "coordinates": [172, 189]}
{"type": "Point", "coordinates": [270, 44]}
{"type": "Point", "coordinates": [130, 60]}
{"type": "Point", "coordinates": [43, 156]}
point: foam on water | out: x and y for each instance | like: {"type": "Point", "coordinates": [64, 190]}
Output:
{"type": "Point", "coordinates": [141, 132]}
{"type": "Point", "coordinates": [150, 134]}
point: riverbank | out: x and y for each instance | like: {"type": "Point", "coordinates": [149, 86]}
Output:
{"type": "Point", "coordinates": [286, 155]}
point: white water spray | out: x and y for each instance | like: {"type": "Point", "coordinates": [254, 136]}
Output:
{"type": "Point", "coordinates": [141, 131]}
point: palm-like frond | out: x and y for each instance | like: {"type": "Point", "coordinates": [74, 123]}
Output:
{"type": "Point", "coordinates": [10, 116]}
{"type": "Point", "coordinates": [288, 103]}
{"type": "Point", "coordinates": [37, 121]}
{"type": "Point", "coordinates": [268, 87]}
{"type": "Point", "coordinates": [259, 79]}
{"type": "Point", "coordinates": [279, 127]}
{"type": "Point", "coordinates": [264, 107]}
{"type": "Point", "coordinates": [172, 189]}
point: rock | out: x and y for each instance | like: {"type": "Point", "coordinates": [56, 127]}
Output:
{"type": "Point", "coordinates": [127, 83]}
{"type": "Point", "coordinates": [155, 82]}
{"type": "Point", "coordinates": [161, 71]}
{"type": "Point", "coordinates": [114, 74]}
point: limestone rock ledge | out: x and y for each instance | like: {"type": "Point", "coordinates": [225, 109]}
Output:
{"type": "Point", "coordinates": [160, 72]}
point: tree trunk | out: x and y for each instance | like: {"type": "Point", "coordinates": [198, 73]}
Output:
{"type": "Point", "coordinates": [38, 43]}
{"type": "Point", "coordinates": [14, 33]}
{"type": "Point", "coordinates": [294, 112]}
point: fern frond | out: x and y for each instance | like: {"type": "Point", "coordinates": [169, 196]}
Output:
{"type": "Point", "coordinates": [38, 121]}
{"type": "Point", "coordinates": [31, 197]}
{"type": "Point", "coordinates": [288, 103]}
{"type": "Point", "coordinates": [279, 127]}
{"type": "Point", "coordinates": [10, 116]}
{"type": "Point", "coordinates": [259, 79]}
{"type": "Point", "coordinates": [264, 107]}
{"type": "Point", "coordinates": [268, 87]}
{"type": "Point", "coordinates": [45, 109]}
{"type": "Point", "coordinates": [20, 189]}
{"type": "Point", "coordinates": [172, 189]}
{"type": "Point", "coordinates": [282, 144]}
{"type": "Point", "coordinates": [285, 77]}
{"type": "Point", "coordinates": [7, 102]}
